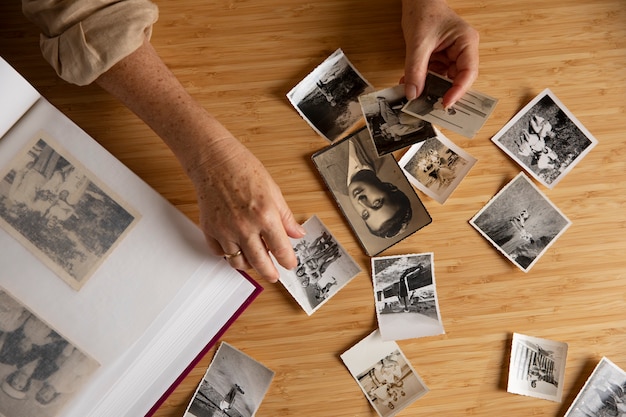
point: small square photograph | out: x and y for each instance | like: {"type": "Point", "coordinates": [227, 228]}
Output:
{"type": "Point", "coordinates": [604, 393]}
{"type": "Point", "coordinates": [234, 385]}
{"type": "Point", "coordinates": [40, 370]}
{"type": "Point", "coordinates": [464, 117]}
{"type": "Point", "coordinates": [436, 166]}
{"type": "Point", "coordinates": [385, 376]}
{"type": "Point", "coordinates": [328, 98]}
{"type": "Point", "coordinates": [61, 212]}
{"type": "Point", "coordinates": [537, 367]}
{"type": "Point", "coordinates": [373, 193]}
{"type": "Point", "coordinates": [324, 267]}
{"type": "Point", "coordinates": [521, 222]}
{"type": "Point", "coordinates": [390, 128]}
{"type": "Point", "coordinates": [406, 296]}
{"type": "Point", "coordinates": [545, 139]}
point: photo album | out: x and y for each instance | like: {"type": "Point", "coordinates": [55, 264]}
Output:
{"type": "Point", "coordinates": [108, 296]}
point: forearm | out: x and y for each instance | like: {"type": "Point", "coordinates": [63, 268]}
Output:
{"type": "Point", "coordinates": [147, 87]}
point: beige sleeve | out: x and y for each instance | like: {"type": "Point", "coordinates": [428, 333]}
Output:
{"type": "Point", "coordinates": [83, 39]}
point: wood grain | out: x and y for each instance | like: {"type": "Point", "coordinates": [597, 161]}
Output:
{"type": "Point", "coordinates": [240, 58]}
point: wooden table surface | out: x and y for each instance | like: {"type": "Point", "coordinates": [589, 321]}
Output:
{"type": "Point", "coordinates": [240, 58]}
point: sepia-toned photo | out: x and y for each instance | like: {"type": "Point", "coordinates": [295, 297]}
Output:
{"type": "Point", "coordinates": [391, 128]}
{"type": "Point", "coordinates": [537, 367]}
{"type": "Point", "coordinates": [39, 369]}
{"type": "Point", "coordinates": [436, 166]}
{"type": "Point", "coordinates": [385, 376]}
{"type": "Point", "coordinates": [604, 393]}
{"type": "Point", "coordinates": [545, 139]}
{"type": "Point", "coordinates": [233, 386]}
{"type": "Point", "coordinates": [406, 296]}
{"type": "Point", "coordinates": [60, 212]}
{"type": "Point", "coordinates": [521, 222]}
{"type": "Point", "coordinates": [373, 193]}
{"type": "Point", "coordinates": [328, 97]}
{"type": "Point", "coordinates": [324, 267]}
{"type": "Point", "coordinates": [464, 117]}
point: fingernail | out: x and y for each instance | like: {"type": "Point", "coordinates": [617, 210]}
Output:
{"type": "Point", "coordinates": [410, 91]}
{"type": "Point", "coordinates": [302, 230]}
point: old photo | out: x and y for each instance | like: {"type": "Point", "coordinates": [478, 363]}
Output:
{"type": "Point", "coordinates": [537, 367]}
{"type": "Point", "coordinates": [521, 222]}
{"type": "Point", "coordinates": [604, 393]}
{"type": "Point", "coordinates": [60, 211]}
{"type": "Point", "coordinates": [464, 117]}
{"type": "Point", "coordinates": [391, 128]}
{"type": "Point", "coordinates": [545, 139]}
{"type": "Point", "coordinates": [327, 98]}
{"type": "Point", "coordinates": [233, 386]}
{"type": "Point", "coordinates": [436, 167]}
{"type": "Point", "coordinates": [373, 193]}
{"type": "Point", "coordinates": [39, 369]}
{"type": "Point", "coordinates": [383, 373]}
{"type": "Point", "coordinates": [324, 267]}
{"type": "Point", "coordinates": [406, 296]}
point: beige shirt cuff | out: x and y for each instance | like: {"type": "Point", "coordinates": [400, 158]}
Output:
{"type": "Point", "coordinates": [85, 39]}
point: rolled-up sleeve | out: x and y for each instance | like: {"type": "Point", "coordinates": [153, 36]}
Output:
{"type": "Point", "coordinates": [82, 39]}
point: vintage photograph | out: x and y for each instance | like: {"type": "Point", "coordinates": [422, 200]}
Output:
{"type": "Point", "coordinates": [39, 369]}
{"type": "Point", "coordinates": [386, 377]}
{"type": "Point", "coordinates": [60, 211]}
{"type": "Point", "coordinates": [406, 296]}
{"type": "Point", "coordinates": [436, 166]}
{"type": "Point", "coordinates": [391, 128]}
{"type": "Point", "coordinates": [545, 139]}
{"type": "Point", "coordinates": [233, 386]}
{"type": "Point", "coordinates": [465, 117]}
{"type": "Point", "coordinates": [373, 193]}
{"type": "Point", "coordinates": [604, 393]}
{"type": "Point", "coordinates": [537, 367]}
{"type": "Point", "coordinates": [328, 97]}
{"type": "Point", "coordinates": [521, 222]}
{"type": "Point", "coordinates": [324, 267]}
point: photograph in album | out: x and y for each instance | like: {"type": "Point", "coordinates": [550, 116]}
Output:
{"type": "Point", "coordinates": [60, 212]}
{"type": "Point", "coordinates": [40, 370]}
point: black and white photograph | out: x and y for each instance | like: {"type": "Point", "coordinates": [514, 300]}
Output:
{"type": "Point", "coordinates": [384, 374]}
{"type": "Point", "coordinates": [373, 193]}
{"type": "Point", "coordinates": [60, 212]}
{"type": "Point", "coordinates": [328, 97]}
{"type": "Point", "coordinates": [436, 166]}
{"type": "Point", "coordinates": [405, 295]}
{"type": "Point", "coordinates": [234, 385]}
{"type": "Point", "coordinates": [465, 117]}
{"type": "Point", "coordinates": [537, 367]}
{"type": "Point", "coordinates": [604, 393]}
{"type": "Point", "coordinates": [324, 267]}
{"type": "Point", "coordinates": [521, 222]}
{"type": "Point", "coordinates": [391, 128]}
{"type": "Point", "coordinates": [545, 139]}
{"type": "Point", "coordinates": [39, 369]}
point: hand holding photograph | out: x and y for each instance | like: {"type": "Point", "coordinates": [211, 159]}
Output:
{"type": "Point", "coordinates": [327, 98]}
{"type": "Point", "coordinates": [324, 267]}
{"type": "Point", "coordinates": [521, 222]}
{"type": "Point", "coordinates": [406, 296]}
{"type": "Point", "coordinates": [234, 385]}
{"type": "Point", "coordinates": [545, 139]}
{"type": "Point", "coordinates": [436, 166]}
{"type": "Point", "coordinates": [465, 117]}
{"type": "Point", "coordinates": [537, 367]}
{"type": "Point", "coordinates": [604, 393]}
{"type": "Point", "coordinates": [390, 128]}
{"type": "Point", "coordinates": [383, 373]}
{"type": "Point", "coordinates": [373, 193]}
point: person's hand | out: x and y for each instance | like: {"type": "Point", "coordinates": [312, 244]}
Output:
{"type": "Point", "coordinates": [242, 209]}
{"type": "Point", "coordinates": [438, 39]}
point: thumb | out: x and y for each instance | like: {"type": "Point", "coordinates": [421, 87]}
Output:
{"type": "Point", "coordinates": [415, 69]}
{"type": "Point", "coordinates": [294, 229]}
